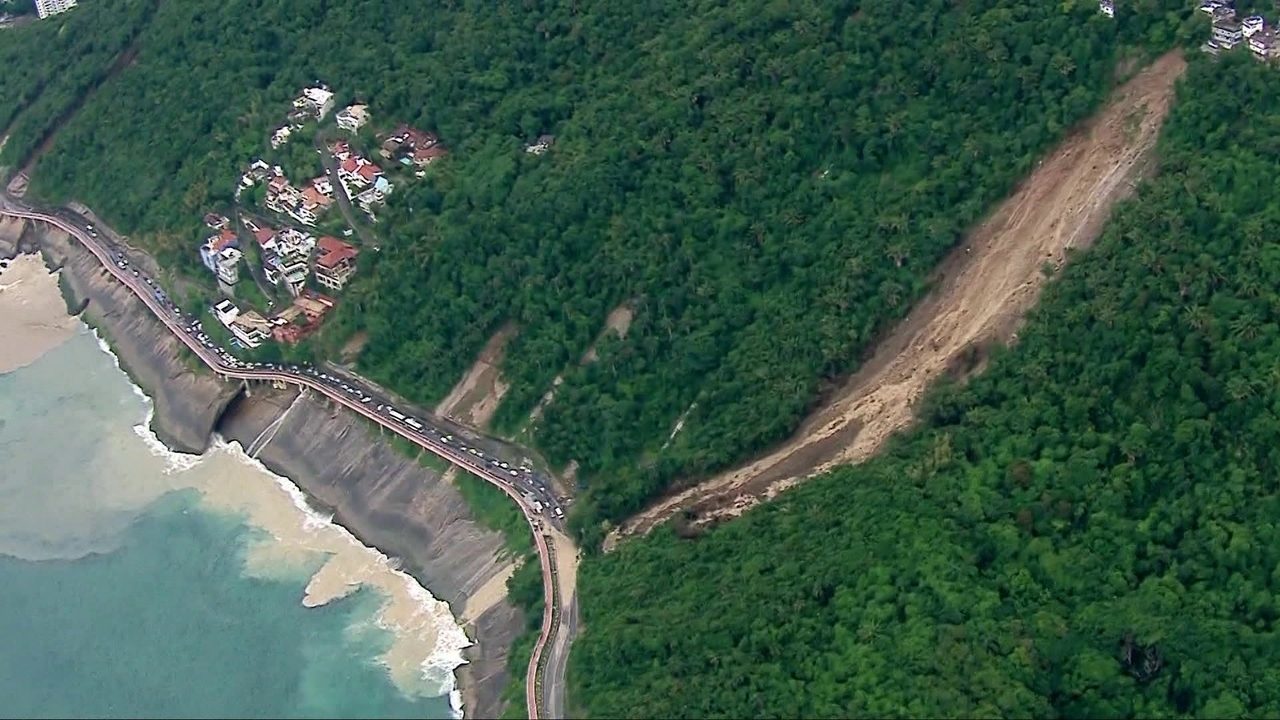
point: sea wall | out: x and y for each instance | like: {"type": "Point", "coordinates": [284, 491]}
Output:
{"type": "Point", "coordinates": [393, 503]}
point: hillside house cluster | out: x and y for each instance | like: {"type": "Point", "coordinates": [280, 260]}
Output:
{"type": "Point", "coordinates": [313, 103]}
{"type": "Point", "coordinates": [362, 179]}
{"type": "Point", "coordinates": [1228, 31]}
{"type": "Point", "coordinates": [248, 327]}
{"type": "Point", "coordinates": [412, 148]}
{"type": "Point", "coordinates": [305, 204]}
{"type": "Point", "coordinates": [290, 325]}
{"type": "Point", "coordinates": [287, 256]}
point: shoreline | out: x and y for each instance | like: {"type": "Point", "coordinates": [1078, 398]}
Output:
{"type": "Point", "coordinates": [437, 544]}
{"type": "Point", "coordinates": [445, 666]}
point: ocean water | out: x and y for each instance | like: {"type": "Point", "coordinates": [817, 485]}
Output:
{"type": "Point", "coordinates": [136, 583]}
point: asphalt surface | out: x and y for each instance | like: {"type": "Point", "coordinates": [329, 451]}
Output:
{"type": "Point", "coordinates": [530, 489]}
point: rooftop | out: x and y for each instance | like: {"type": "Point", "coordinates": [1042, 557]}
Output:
{"type": "Point", "coordinates": [333, 252]}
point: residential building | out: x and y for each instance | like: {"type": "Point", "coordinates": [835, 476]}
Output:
{"type": "Point", "coordinates": [214, 221]}
{"type": "Point", "coordinates": [226, 311]}
{"type": "Point", "coordinates": [353, 117]}
{"type": "Point", "coordinates": [1251, 25]}
{"type": "Point", "coordinates": [1107, 7]}
{"type": "Point", "coordinates": [336, 262]}
{"type": "Point", "coordinates": [1263, 44]}
{"type": "Point", "coordinates": [317, 101]}
{"type": "Point", "coordinates": [340, 150]}
{"type": "Point", "coordinates": [250, 328]}
{"type": "Point", "coordinates": [1227, 33]}
{"type": "Point", "coordinates": [285, 259]}
{"type": "Point", "coordinates": [212, 247]}
{"type": "Point", "coordinates": [314, 200]}
{"type": "Point", "coordinates": [228, 265]}
{"type": "Point", "coordinates": [280, 136]}
{"type": "Point", "coordinates": [358, 171]}
{"type": "Point", "coordinates": [314, 305]}
{"type": "Point", "coordinates": [323, 186]}
{"type": "Point", "coordinates": [424, 156]}
{"type": "Point", "coordinates": [302, 317]}
{"type": "Point", "coordinates": [45, 8]}
{"type": "Point", "coordinates": [405, 142]}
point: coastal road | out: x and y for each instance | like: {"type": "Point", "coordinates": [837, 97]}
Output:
{"type": "Point", "coordinates": [528, 489]}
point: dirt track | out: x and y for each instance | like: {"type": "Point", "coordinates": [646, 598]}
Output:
{"type": "Point", "coordinates": [981, 292]}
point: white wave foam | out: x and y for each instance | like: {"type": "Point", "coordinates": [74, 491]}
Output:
{"type": "Point", "coordinates": [439, 668]}
{"type": "Point", "coordinates": [173, 461]}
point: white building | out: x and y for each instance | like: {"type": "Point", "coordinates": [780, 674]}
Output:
{"type": "Point", "coordinates": [1227, 33]}
{"type": "Point", "coordinates": [1107, 7]}
{"type": "Point", "coordinates": [317, 100]}
{"type": "Point", "coordinates": [1251, 25]}
{"type": "Point", "coordinates": [228, 266]}
{"type": "Point", "coordinates": [45, 8]}
{"type": "Point", "coordinates": [286, 259]}
{"type": "Point", "coordinates": [353, 117]}
{"type": "Point", "coordinates": [250, 328]}
{"type": "Point", "coordinates": [226, 311]}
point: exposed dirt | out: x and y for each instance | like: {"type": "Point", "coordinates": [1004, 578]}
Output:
{"type": "Point", "coordinates": [981, 292]}
{"type": "Point", "coordinates": [475, 398]}
{"type": "Point", "coordinates": [619, 321]}
{"type": "Point", "coordinates": [353, 347]}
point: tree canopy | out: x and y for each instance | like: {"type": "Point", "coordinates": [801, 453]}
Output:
{"type": "Point", "coordinates": [766, 184]}
{"type": "Point", "coordinates": [1086, 530]}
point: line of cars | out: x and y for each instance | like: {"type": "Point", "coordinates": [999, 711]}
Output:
{"type": "Point", "coordinates": [193, 327]}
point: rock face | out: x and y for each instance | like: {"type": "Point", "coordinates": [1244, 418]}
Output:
{"type": "Point", "coordinates": [188, 401]}
{"type": "Point", "coordinates": [390, 502]}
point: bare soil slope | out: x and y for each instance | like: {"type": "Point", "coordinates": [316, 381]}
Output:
{"type": "Point", "coordinates": [981, 293]}
{"type": "Point", "coordinates": [475, 398]}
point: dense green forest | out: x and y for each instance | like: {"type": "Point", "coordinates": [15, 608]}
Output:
{"type": "Point", "coordinates": [50, 65]}
{"type": "Point", "coordinates": [1089, 529]}
{"type": "Point", "coordinates": [766, 183]}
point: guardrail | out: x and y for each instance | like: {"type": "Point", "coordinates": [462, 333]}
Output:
{"type": "Point", "coordinates": [445, 452]}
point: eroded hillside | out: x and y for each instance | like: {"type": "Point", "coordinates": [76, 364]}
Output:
{"type": "Point", "coordinates": [983, 291]}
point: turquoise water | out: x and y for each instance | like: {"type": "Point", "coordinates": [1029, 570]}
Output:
{"type": "Point", "coordinates": [123, 597]}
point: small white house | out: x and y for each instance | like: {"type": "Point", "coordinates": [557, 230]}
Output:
{"type": "Point", "coordinates": [1107, 7]}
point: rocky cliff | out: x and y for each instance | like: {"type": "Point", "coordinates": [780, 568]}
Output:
{"type": "Point", "coordinates": [390, 502]}
{"type": "Point", "coordinates": [188, 401]}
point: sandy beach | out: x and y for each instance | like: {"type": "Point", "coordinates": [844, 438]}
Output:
{"type": "Point", "coordinates": [33, 316]}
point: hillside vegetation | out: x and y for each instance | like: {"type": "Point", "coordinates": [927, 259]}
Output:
{"type": "Point", "coordinates": [50, 65]}
{"type": "Point", "coordinates": [766, 184]}
{"type": "Point", "coordinates": [1086, 530]}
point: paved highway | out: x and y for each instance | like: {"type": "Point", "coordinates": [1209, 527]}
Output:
{"type": "Point", "coordinates": [530, 490]}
